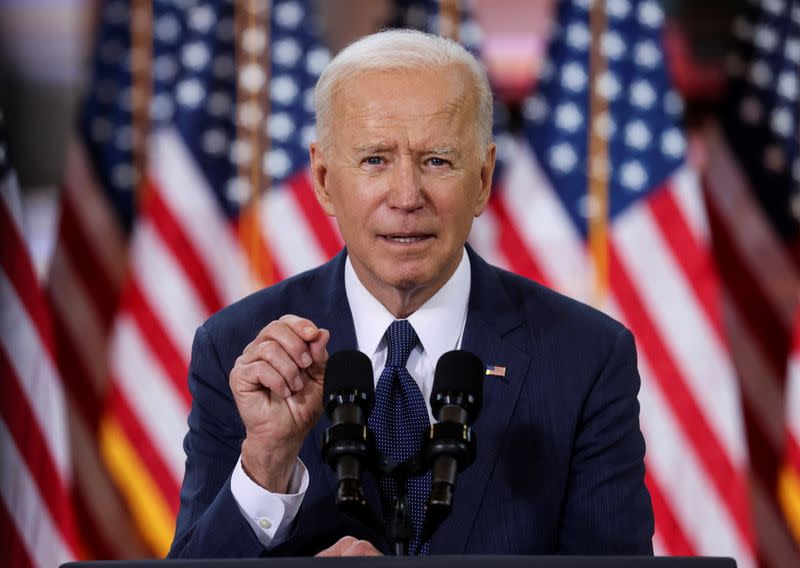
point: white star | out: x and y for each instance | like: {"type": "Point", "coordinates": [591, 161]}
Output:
{"type": "Point", "coordinates": [123, 175]}
{"type": "Point", "coordinates": [283, 89]}
{"type": "Point", "coordinates": [761, 74]}
{"type": "Point", "coordinates": [650, 13]}
{"type": "Point", "coordinates": [563, 157]}
{"type": "Point", "coordinates": [280, 126]}
{"type": "Point", "coordinates": [608, 86]}
{"type": "Point", "coordinates": [765, 38]}
{"type": "Point", "coordinates": [288, 14]}
{"type": "Point", "coordinates": [673, 103]}
{"type": "Point", "coordinates": [750, 110]}
{"type": "Point", "coordinates": [196, 55]}
{"type": "Point", "coordinates": [612, 45]}
{"type": "Point", "coordinates": [792, 50]}
{"type": "Point", "coordinates": [254, 40]}
{"type": "Point", "coordinates": [471, 33]}
{"type": "Point", "coordinates": [223, 67]}
{"type": "Point", "coordinates": [307, 135]}
{"type": "Point", "coordinates": [774, 7]}
{"type": "Point", "coordinates": [642, 94]}
{"type": "Point", "coordinates": [190, 92]}
{"type": "Point", "coordinates": [316, 60]}
{"type": "Point", "coordinates": [201, 18]}
{"type": "Point", "coordinates": [164, 68]}
{"type": "Point", "coordinates": [219, 104]}
{"type": "Point", "coordinates": [782, 121]}
{"type": "Point", "coordinates": [618, 8]}
{"type": "Point", "coordinates": [101, 130]}
{"type": "Point", "coordinates": [249, 114]}
{"type": "Point", "coordinates": [673, 143]}
{"type": "Point", "coordinates": [637, 135]}
{"type": "Point", "coordinates": [647, 54]}
{"type": "Point", "coordinates": [633, 176]}
{"type": "Point", "coordinates": [568, 117]}
{"type": "Point", "coordinates": [308, 100]}
{"type": "Point", "coordinates": [277, 163]}
{"type": "Point", "coordinates": [578, 36]}
{"type": "Point", "coordinates": [241, 152]}
{"type": "Point", "coordinates": [167, 28]}
{"type": "Point", "coordinates": [252, 77]}
{"type": "Point", "coordinates": [774, 159]}
{"type": "Point", "coordinates": [161, 107]}
{"type": "Point", "coordinates": [238, 190]}
{"type": "Point", "coordinates": [787, 85]}
{"type": "Point", "coordinates": [573, 76]}
{"type": "Point", "coordinates": [286, 51]}
{"type": "Point", "coordinates": [535, 108]}
{"type": "Point", "coordinates": [124, 138]}
{"type": "Point", "coordinates": [215, 141]}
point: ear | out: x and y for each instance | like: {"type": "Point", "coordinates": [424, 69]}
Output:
{"type": "Point", "coordinates": [319, 178]}
{"type": "Point", "coordinates": [487, 169]}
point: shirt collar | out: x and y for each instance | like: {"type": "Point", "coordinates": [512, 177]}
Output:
{"type": "Point", "coordinates": [439, 322]}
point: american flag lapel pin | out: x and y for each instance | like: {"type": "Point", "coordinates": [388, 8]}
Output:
{"type": "Point", "coordinates": [495, 371]}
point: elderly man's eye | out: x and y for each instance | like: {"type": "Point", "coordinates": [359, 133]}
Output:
{"type": "Point", "coordinates": [437, 162]}
{"type": "Point", "coordinates": [373, 160]}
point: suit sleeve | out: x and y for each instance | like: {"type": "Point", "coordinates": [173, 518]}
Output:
{"type": "Point", "coordinates": [607, 509]}
{"type": "Point", "coordinates": [209, 523]}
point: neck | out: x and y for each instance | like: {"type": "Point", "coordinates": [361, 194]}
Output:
{"type": "Point", "coordinates": [402, 301]}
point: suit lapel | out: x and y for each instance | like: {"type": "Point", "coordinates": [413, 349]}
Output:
{"type": "Point", "coordinates": [491, 319]}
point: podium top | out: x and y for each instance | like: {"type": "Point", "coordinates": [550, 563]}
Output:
{"type": "Point", "coordinates": [473, 561]}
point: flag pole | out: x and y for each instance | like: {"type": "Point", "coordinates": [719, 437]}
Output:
{"type": "Point", "coordinates": [449, 19]}
{"type": "Point", "coordinates": [598, 166]}
{"type": "Point", "coordinates": [141, 90]}
{"type": "Point", "coordinates": [253, 107]}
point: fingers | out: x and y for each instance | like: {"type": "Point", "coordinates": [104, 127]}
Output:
{"type": "Point", "coordinates": [289, 345]}
{"type": "Point", "coordinates": [257, 375]}
{"type": "Point", "coordinates": [350, 546]}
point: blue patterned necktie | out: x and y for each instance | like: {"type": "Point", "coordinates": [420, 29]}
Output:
{"type": "Point", "coordinates": [399, 422]}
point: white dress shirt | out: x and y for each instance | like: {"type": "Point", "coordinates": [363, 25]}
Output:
{"type": "Point", "coordinates": [439, 324]}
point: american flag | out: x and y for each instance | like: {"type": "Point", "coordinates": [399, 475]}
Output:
{"type": "Point", "coordinates": [789, 479]}
{"type": "Point", "coordinates": [37, 524]}
{"type": "Point", "coordinates": [140, 265]}
{"type": "Point", "coordinates": [661, 279]}
{"type": "Point", "coordinates": [752, 181]}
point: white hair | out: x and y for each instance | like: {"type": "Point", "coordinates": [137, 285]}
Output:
{"type": "Point", "coordinates": [400, 50]}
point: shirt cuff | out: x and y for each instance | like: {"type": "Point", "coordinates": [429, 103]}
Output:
{"type": "Point", "coordinates": [269, 514]}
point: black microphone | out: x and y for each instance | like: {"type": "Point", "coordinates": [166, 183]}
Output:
{"type": "Point", "coordinates": [347, 444]}
{"type": "Point", "coordinates": [456, 398]}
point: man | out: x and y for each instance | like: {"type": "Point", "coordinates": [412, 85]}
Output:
{"type": "Point", "coordinates": [404, 162]}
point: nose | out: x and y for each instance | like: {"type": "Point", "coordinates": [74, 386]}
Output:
{"type": "Point", "coordinates": [406, 190]}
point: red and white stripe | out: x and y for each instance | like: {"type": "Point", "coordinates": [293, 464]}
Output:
{"type": "Point", "coordinates": [85, 278]}
{"type": "Point", "coordinates": [36, 516]}
{"type": "Point", "coordinates": [760, 280]}
{"type": "Point", "coordinates": [663, 286]}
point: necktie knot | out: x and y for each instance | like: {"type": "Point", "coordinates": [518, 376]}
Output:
{"type": "Point", "coordinates": [400, 339]}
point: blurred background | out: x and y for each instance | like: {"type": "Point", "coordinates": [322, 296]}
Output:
{"type": "Point", "coordinates": [154, 170]}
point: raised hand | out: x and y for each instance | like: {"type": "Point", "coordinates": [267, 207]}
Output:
{"type": "Point", "coordinates": [277, 385]}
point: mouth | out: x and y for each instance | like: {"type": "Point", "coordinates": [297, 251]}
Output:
{"type": "Point", "coordinates": [406, 239]}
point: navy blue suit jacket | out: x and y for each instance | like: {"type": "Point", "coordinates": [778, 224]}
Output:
{"type": "Point", "coordinates": [559, 465]}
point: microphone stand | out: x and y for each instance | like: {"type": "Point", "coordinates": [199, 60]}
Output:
{"type": "Point", "coordinates": [399, 526]}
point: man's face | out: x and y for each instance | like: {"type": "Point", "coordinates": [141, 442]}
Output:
{"type": "Point", "coordinates": [404, 175]}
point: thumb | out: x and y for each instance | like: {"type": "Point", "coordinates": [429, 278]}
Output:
{"type": "Point", "coordinates": [319, 354]}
